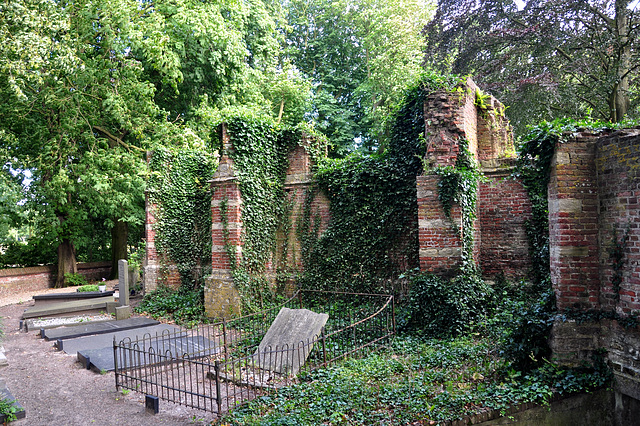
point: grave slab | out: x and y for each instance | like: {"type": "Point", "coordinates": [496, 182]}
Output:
{"type": "Point", "coordinates": [63, 333]}
{"type": "Point", "coordinates": [105, 340]}
{"type": "Point", "coordinates": [288, 342]}
{"type": "Point", "coordinates": [67, 307]}
{"type": "Point", "coordinates": [37, 324]}
{"type": "Point", "coordinates": [101, 360]}
{"type": "Point", "coordinates": [49, 299]}
{"type": "Point", "coordinates": [5, 394]}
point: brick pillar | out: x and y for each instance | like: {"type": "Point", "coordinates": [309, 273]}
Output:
{"type": "Point", "coordinates": [573, 225]}
{"type": "Point", "coordinates": [221, 299]}
{"type": "Point", "coordinates": [440, 246]}
{"type": "Point", "coordinates": [151, 264]}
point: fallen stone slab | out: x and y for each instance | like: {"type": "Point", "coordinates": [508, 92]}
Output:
{"type": "Point", "coordinates": [38, 324]}
{"type": "Point", "coordinates": [151, 351]}
{"type": "Point", "coordinates": [289, 340]}
{"type": "Point", "coordinates": [105, 340]}
{"type": "Point", "coordinates": [61, 308]}
{"type": "Point", "coordinates": [48, 299]}
{"type": "Point", "coordinates": [71, 332]}
{"type": "Point", "coordinates": [6, 395]}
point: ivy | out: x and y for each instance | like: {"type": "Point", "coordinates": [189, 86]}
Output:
{"type": "Point", "coordinates": [179, 185]}
{"type": "Point", "coordinates": [260, 156]}
{"type": "Point", "coordinates": [459, 185]}
{"type": "Point", "coordinates": [372, 234]}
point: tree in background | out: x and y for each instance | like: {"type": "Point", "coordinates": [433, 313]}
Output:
{"type": "Point", "coordinates": [360, 55]}
{"type": "Point", "coordinates": [547, 59]}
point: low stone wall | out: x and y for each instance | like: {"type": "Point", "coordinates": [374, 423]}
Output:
{"type": "Point", "coordinates": [21, 280]}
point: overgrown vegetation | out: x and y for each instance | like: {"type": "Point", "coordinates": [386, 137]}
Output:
{"type": "Point", "coordinates": [184, 306]}
{"type": "Point", "coordinates": [8, 410]}
{"type": "Point", "coordinates": [372, 237]}
{"type": "Point", "coordinates": [179, 184]}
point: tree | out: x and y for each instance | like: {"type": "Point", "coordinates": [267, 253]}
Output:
{"type": "Point", "coordinates": [359, 56]}
{"type": "Point", "coordinates": [74, 99]}
{"type": "Point", "coordinates": [547, 59]}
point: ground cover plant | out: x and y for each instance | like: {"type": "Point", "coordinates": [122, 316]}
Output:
{"type": "Point", "coordinates": [427, 375]}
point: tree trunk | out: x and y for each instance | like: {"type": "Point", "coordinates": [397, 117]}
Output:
{"type": "Point", "coordinates": [66, 261]}
{"type": "Point", "coordinates": [119, 234]}
{"type": "Point", "coordinates": [621, 101]}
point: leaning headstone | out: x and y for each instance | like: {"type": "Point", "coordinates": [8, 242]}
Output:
{"type": "Point", "coordinates": [123, 282]}
{"type": "Point", "coordinates": [288, 342]}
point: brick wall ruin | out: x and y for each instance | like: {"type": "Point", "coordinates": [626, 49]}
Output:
{"type": "Point", "coordinates": [593, 201]}
{"type": "Point", "coordinates": [503, 206]}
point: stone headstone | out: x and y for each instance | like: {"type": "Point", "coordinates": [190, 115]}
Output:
{"type": "Point", "coordinates": [123, 282]}
{"type": "Point", "coordinates": [288, 342]}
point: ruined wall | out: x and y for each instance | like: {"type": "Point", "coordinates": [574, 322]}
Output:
{"type": "Point", "coordinates": [593, 200]}
{"type": "Point", "coordinates": [222, 299]}
{"type": "Point", "coordinates": [500, 243]}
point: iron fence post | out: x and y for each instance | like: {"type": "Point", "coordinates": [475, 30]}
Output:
{"type": "Point", "coordinates": [324, 348]}
{"type": "Point", "coordinates": [216, 368]}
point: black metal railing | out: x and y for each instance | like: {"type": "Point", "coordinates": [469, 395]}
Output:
{"type": "Point", "coordinates": [217, 366]}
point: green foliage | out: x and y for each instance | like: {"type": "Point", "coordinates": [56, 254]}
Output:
{"type": "Point", "coordinates": [34, 252]}
{"type": "Point", "coordinates": [439, 307]}
{"type": "Point", "coordinates": [88, 288]}
{"type": "Point", "coordinates": [459, 185]}
{"type": "Point", "coordinates": [179, 183]}
{"type": "Point", "coordinates": [371, 237]}
{"type": "Point", "coordinates": [75, 280]}
{"type": "Point", "coordinates": [425, 381]}
{"type": "Point", "coordinates": [184, 306]}
{"type": "Point", "coordinates": [359, 56]}
{"type": "Point", "coordinates": [8, 409]}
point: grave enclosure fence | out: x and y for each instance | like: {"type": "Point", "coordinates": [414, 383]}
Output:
{"type": "Point", "coordinates": [216, 367]}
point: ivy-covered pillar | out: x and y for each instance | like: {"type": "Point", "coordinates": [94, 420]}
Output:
{"type": "Point", "coordinates": [221, 298]}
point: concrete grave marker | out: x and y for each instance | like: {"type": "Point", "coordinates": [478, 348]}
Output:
{"type": "Point", "coordinates": [123, 282]}
{"type": "Point", "coordinates": [288, 342]}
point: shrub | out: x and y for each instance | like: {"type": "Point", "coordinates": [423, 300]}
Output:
{"type": "Point", "coordinates": [447, 308]}
{"type": "Point", "coordinates": [184, 306]}
{"type": "Point", "coordinates": [74, 280]}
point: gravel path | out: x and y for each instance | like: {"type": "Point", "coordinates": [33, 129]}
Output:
{"type": "Point", "coordinates": [55, 390]}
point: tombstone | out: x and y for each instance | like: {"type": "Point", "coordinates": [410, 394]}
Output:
{"type": "Point", "coordinates": [288, 342]}
{"type": "Point", "coordinates": [123, 282]}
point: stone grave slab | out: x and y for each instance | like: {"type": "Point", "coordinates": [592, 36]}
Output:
{"type": "Point", "coordinates": [62, 308]}
{"type": "Point", "coordinates": [99, 341]}
{"type": "Point", "coordinates": [5, 394]}
{"type": "Point", "coordinates": [89, 329]}
{"type": "Point", "coordinates": [37, 324]}
{"type": "Point", "coordinates": [178, 346]}
{"type": "Point", "coordinates": [288, 342]}
{"type": "Point", "coordinates": [48, 299]}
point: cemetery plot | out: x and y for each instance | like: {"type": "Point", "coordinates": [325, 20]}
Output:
{"type": "Point", "coordinates": [254, 354]}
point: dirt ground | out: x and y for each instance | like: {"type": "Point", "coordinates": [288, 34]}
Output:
{"type": "Point", "coordinates": [54, 389]}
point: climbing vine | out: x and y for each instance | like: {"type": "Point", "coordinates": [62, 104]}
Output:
{"type": "Point", "coordinates": [260, 160]}
{"type": "Point", "coordinates": [459, 185]}
{"type": "Point", "coordinates": [179, 185]}
{"type": "Point", "coordinates": [372, 235]}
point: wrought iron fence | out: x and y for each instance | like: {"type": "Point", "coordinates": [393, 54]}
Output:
{"type": "Point", "coordinates": [217, 366]}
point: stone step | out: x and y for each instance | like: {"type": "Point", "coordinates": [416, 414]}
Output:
{"type": "Point", "coordinates": [71, 332]}
{"type": "Point", "coordinates": [105, 340]}
{"type": "Point", "coordinates": [178, 345]}
{"type": "Point", "coordinates": [62, 308]}
{"type": "Point", "coordinates": [48, 299]}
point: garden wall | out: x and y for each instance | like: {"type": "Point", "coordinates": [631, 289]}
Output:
{"type": "Point", "coordinates": [594, 239]}
{"type": "Point", "coordinates": [33, 279]}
